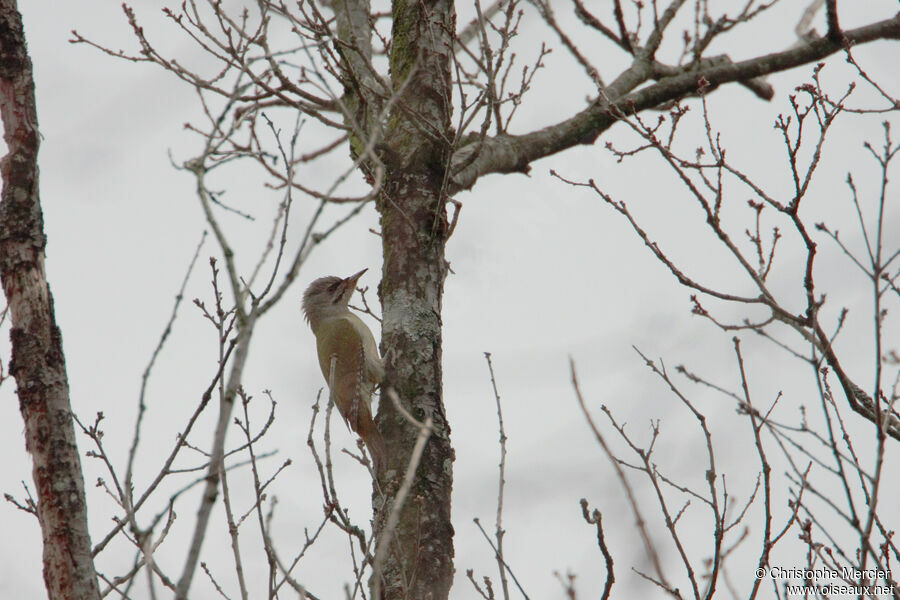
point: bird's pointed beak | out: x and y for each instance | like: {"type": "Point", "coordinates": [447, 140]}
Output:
{"type": "Point", "coordinates": [354, 278]}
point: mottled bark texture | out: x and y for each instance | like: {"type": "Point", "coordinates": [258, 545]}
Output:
{"type": "Point", "coordinates": [415, 152]}
{"type": "Point", "coordinates": [38, 364]}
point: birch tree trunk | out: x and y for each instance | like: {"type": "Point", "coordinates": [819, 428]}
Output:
{"type": "Point", "coordinates": [38, 364]}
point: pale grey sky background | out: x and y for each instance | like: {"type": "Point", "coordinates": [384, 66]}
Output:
{"type": "Point", "coordinates": [542, 272]}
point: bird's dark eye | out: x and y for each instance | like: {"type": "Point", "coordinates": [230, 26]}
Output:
{"type": "Point", "coordinates": [334, 286]}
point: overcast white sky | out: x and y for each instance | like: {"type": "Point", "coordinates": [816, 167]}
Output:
{"type": "Point", "coordinates": [542, 272]}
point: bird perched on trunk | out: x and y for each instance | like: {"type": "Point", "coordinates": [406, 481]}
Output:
{"type": "Point", "coordinates": [342, 336]}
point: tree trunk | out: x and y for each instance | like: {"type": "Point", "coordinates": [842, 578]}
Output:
{"type": "Point", "coordinates": [38, 364]}
{"type": "Point", "coordinates": [415, 153]}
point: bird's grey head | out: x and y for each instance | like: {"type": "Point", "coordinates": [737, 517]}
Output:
{"type": "Point", "coordinates": [328, 296]}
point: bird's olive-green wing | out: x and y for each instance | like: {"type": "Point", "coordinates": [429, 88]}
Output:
{"type": "Point", "coordinates": [339, 338]}
{"type": "Point", "coordinates": [374, 366]}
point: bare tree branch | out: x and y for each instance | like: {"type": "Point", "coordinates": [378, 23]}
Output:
{"type": "Point", "coordinates": [515, 153]}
